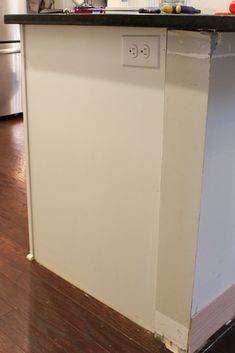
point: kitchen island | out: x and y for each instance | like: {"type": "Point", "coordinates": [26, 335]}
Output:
{"type": "Point", "coordinates": [131, 167]}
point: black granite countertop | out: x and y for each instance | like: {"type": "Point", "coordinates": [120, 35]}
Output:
{"type": "Point", "coordinates": [181, 22]}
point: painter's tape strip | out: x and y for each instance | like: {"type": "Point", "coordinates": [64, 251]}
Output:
{"type": "Point", "coordinates": [189, 55]}
{"type": "Point", "coordinates": [222, 56]}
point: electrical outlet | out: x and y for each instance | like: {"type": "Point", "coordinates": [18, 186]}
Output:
{"type": "Point", "coordinates": [133, 51]}
{"type": "Point", "coordinates": [141, 51]}
{"type": "Point", "coordinates": [145, 51]}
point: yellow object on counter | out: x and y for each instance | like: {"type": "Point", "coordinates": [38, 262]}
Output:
{"type": "Point", "coordinates": [179, 8]}
{"type": "Point", "coordinates": [168, 8]}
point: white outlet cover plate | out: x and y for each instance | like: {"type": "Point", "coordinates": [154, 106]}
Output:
{"type": "Point", "coordinates": [153, 42]}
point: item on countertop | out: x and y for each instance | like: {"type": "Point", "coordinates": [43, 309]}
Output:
{"type": "Point", "coordinates": [94, 3]}
{"type": "Point", "coordinates": [88, 9]}
{"type": "Point", "coordinates": [231, 8]}
{"type": "Point", "coordinates": [36, 6]}
{"type": "Point", "coordinates": [153, 10]}
{"type": "Point", "coordinates": [48, 11]}
{"type": "Point", "coordinates": [178, 9]}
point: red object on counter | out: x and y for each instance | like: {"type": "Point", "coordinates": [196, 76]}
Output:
{"type": "Point", "coordinates": [83, 11]}
{"type": "Point", "coordinates": [88, 10]}
{"type": "Point", "coordinates": [232, 7]}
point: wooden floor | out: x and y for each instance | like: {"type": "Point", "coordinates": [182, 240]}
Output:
{"type": "Point", "coordinates": [39, 312]}
{"type": "Point", "coordinates": [223, 341]}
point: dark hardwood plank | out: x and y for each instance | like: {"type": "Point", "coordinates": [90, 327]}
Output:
{"type": "Point", "coordinates": [226, 344]}
{"type": "Point", "coordinates": [25, 335]}
{"type": "Point", "coordinates": [35, 335]}
{"type": "Point", "coordinates": [13, 210]}
{"type": "Point", "coordinates": [48, 303]}
{"type": "Point", "coordinates": [39, 317]}
{"type": "Point", "coordinates": [13, 206]}
{"type": "Point", "coordinates": [114, 319]}
{"type": "Point", "coordinates": [12, 255]}
{"type": "Point", "coordinates": [14, 265]}
{"type": "Point", "coordinates": [4, 308]}
{"type": "Point", "coordinates": [223, 341]}
{"type": "Point", "coordinates": [7, 346]}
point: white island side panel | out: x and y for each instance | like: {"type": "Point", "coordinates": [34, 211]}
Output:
{"type": "Point", "coordinates": [95, 149]}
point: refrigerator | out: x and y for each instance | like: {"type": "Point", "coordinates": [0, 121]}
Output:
{"type": "Point", "coordinates": [10, 59]}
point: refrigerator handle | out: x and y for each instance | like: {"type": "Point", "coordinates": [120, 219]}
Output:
{"type": "Point", "coordinates": [9, 51]}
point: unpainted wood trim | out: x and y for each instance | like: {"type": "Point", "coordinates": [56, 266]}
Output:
{"type": "Point", "coordinates": [210, 319]}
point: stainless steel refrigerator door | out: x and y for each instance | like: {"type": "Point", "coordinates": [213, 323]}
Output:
{"type": "Point", "coordinates": [10, 85]}
{"type": "Point", "coordinates": [10, 32]}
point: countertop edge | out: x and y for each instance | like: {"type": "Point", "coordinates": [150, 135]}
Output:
{"type": "Point", "coordinates": [180, 22]}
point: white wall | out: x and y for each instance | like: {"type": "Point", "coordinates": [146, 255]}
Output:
{"type": "Point", "coordinates": [204, 5]}
{"type": "Point", "coordinates": [132, 3]}
{"type": "Point", "coordinates": [208, 6]}
{"type": "Point", "coordinates": [64, 4]}
{"type": "Point", "coordinates": [216, 247]}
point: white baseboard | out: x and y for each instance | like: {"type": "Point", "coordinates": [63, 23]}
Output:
{"type": "Point", "coordinates": [172, 333]}
{"type": "Point", "coordinates": [210, 319]}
